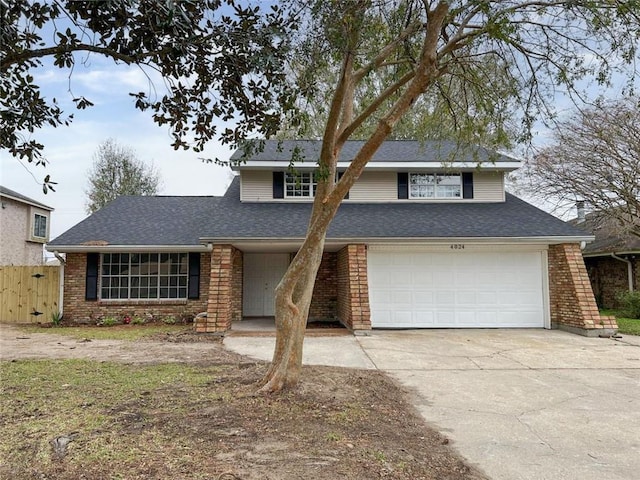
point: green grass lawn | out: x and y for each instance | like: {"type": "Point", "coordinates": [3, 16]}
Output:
{"type": "Point", "coordinates": [626, 325]}
{"type": "Point", "coordinates": [119, 332]}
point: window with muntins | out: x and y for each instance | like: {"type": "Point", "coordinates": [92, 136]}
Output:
{"type": "Point", "coordinates": [39, 226]}
{"type": "Point", "coordinates": [144, 276]}
{"type": "Point", "coordinates": [300, 185]}
{"type": "Point", "coordinates": [435, 185]}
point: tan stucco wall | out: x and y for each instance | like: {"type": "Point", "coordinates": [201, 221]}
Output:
{"type": "Point", "coordinates": [15, 222]}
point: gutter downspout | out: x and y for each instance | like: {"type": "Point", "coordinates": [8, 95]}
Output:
{"type": "Point", "coordinates": [629, 269]}
{"type": "Point", "coordinates": [62, 261]}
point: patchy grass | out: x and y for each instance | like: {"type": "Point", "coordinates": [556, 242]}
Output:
{"type": "Point", "coordinates": [199, 421]}
{"type": "Point", "coordinates": [119, 332]}
{"type": "Point", "coordinates": [626, 325]}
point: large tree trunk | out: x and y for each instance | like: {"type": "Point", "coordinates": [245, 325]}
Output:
{"type": "Point", "coordinates": [293, 298]}
{"type": "Point", "coordinates": [294, 292]}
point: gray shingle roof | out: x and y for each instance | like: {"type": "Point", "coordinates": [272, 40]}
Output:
{"type": "Point", "coordinates": [389, 151]}
{"type": "Point", "coordinates": [144, 220]}
{"type": "Point", "coordinates": [4, 191]}
{"type": "Point", "coordinates": [608, 238]}
{"type": "Point", "coordinates": [185, 220]}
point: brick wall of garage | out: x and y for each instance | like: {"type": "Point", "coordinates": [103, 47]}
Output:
{"type": "Point", "coordinates": [353, 288]}
{"type": "Point", "coordinates": [77, 309]}
{"type": "Point", "coordinates": [572, 303]}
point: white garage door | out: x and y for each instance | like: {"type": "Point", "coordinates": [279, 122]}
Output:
{"type": "Point", "coordinates": [463, 288]}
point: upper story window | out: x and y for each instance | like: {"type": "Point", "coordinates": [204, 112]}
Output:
{"type": "Point", "coordinates": [39, 226]}
{"type": "Point", "coordinates": [435, 185]}
{"type": "Point", "coordinates": [300, 185]}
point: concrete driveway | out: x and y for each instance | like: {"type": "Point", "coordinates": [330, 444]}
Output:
{"type": "Point", "coordinates": [520, 404]}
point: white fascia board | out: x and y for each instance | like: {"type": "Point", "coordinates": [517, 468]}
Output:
{"type": "Point", "coordinates": [407, 240]}
{"type": "Point", "coordinates": [127, 248]}
{"type": "Point", "coordinates": [416, 166]}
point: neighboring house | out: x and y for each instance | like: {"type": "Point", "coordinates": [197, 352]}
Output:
{"type": "Point", "coordinates": [427, 238]}
{"type": "Point", "coordinates": [612, 260]}
{"type": "Point", "coordinates": [24, 229]}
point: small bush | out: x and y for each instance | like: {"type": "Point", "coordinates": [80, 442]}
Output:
{"type": "Point", "coordinates": [169, 320]}
{"type": "Point", "coordinates": [108, 322]}
{"type": "Point", "coordinates": [137, 320]}
{"type": "Point", "coordinates": [630, 302]}
{"type": "Point", "coordinates": [56, 318]}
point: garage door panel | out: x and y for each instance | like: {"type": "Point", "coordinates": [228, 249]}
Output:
{"type": "Point", "coordinates": [423, 277]}
{"type": "Point", "coordinates": [423, 298]}
{"type": "Point", "coordinates": [423, 318]}
{"type": "Point", "coordinates": [402, 297]}
{"type": "Point", "coordinates": [487, 298]}
{"type": "Point", "coordinates": [460, 289]}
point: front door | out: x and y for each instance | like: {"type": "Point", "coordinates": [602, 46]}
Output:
{"type": "Point", "coordinates": [262, 273]}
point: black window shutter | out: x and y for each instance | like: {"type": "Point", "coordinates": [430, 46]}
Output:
{"type": "Point", "coordinates": [194, 275]}
{"type": "Point", "coordinates": [403, 185]}
{"type": "Point", "coordinates": [91, 281]}
{"type": "Point", "coordinates": [346, 197]}
{"type": "Point", "coordinates": [278, 184]}
{"type": "Point", "coordinates": [467, 184]}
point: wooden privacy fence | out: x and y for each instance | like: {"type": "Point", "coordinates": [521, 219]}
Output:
{"type": "Point", "coordinates": [29, 294]}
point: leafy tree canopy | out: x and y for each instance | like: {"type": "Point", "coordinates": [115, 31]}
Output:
{"type": "Point", "coordinates": [499, 65]}
{"type": "Point", "coordinates": [117, 171]}
{"type": "Point", "coordinates": [219, 59]}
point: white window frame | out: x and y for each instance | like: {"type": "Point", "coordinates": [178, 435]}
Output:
{"type": "Point", "coordinates": [34, 213]}
{"type": "Point", "coordinates": [437, 191]}
{"type": "Point", "coordinates": [125, 276]}
{"type": "Point", "coordinates": [38, 226]}
{"type": "Point", "coordinates": [300, 184]}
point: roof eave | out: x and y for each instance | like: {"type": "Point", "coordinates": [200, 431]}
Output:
{"type": "Point", "coordinates": [374, 165]}
{"type": "Point", "coordinates": [608, 254]}
{"type": "Point", "coordinates": [548, 240]}
{"type": "Point", "coordinates": [28, 202]}
{"type": "Point", "coordinates": [127, 248]}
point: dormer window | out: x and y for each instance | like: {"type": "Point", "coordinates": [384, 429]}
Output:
{"type": "Point", "coordinates": [435, 185]}
{"type": "Point", "coordinates": [300, 185]}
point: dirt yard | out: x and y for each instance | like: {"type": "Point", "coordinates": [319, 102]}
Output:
{"type": "Point", "coordinates": [201, 420]}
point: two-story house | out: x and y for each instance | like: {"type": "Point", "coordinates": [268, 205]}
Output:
{"type": "Point", "coordinates": [24, 228]}
{"type": "Point", "coordinates": [427, 238]}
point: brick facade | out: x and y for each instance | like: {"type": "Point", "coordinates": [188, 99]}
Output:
{"type": "Point", "coordinates": [353, 288]}
{"type": "Point", "coordinates": [573, 306]}
{"type": "Point", "coordinates": [77, 309]}
{"type": "Point", "coordinates": [225, 290]}
{"type": "Point", "coordinates": [325, 291]}
{"type": "Point", "coordinates": [341, 292]}
{"type": "Point", "coordinates": [609, 277]}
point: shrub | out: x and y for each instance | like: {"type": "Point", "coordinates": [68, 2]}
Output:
{"type": "Point", "coordinates": [137, 320]}
{"type": "Point", "coordinates": [630, 302]}
{"type": "Point", "coordinates": [56, 318]}
{"type": "Point", "coordinates": [169, 320]}
{"type": "Point", "coordinates": [108, 322]}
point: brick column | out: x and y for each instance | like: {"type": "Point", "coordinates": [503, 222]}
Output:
{"type": "Point", "coordinates": [573, 306]}
{"type": "Point", "coordinates": [220, 304]}
{"type": "Point", "coordinates": [353, 288]}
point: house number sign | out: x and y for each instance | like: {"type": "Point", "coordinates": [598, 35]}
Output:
{"type": "Point", "coordinates": [457, 246]}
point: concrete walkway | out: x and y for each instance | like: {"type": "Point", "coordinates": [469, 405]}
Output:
{"type": "Point", "coordinates": [520, 404]}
